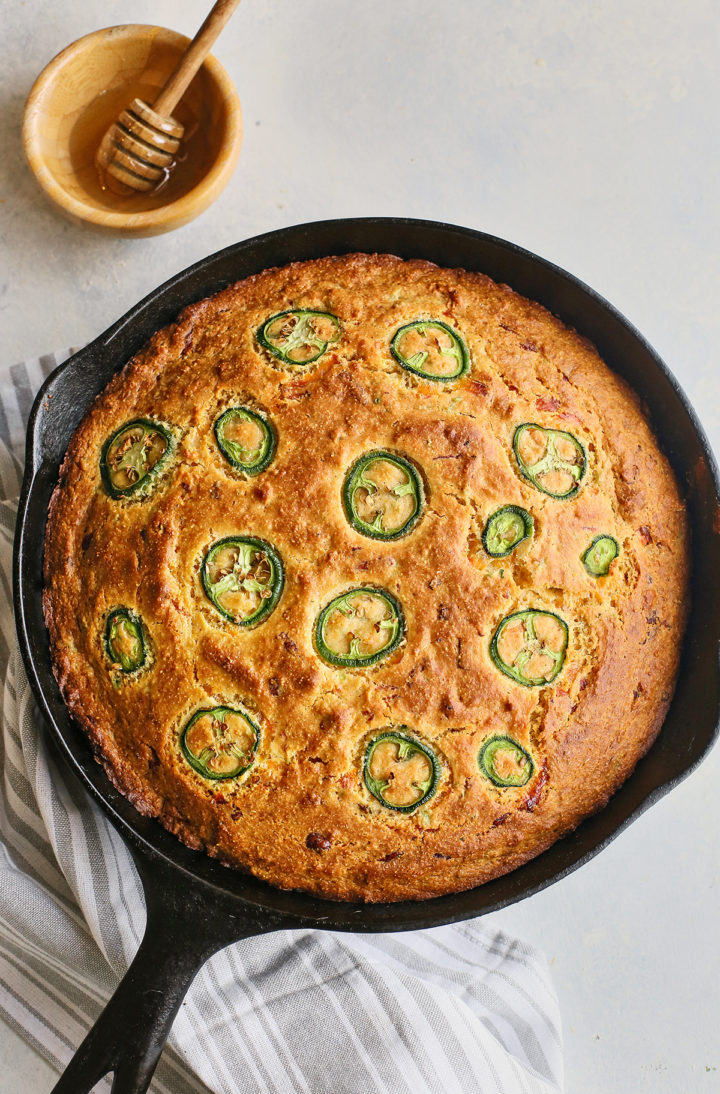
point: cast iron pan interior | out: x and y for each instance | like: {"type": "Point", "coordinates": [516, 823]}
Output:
{"type": "Point", "coordinates": [689, 729]}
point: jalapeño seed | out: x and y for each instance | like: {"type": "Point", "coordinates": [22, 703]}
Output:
{"type": "Point", "coordinates": [299, 337]}
{"type": "Point", "coordinates": [220, 742]}
{"type": "Point", "coordinates": [359, 627]}
{"type": "Point", "coordinates": [125, 640]}
{"type": "Point", "coordinates": [242, 586]}
{"type": "Point", "coordinates": [553, 460]}
{"type": "Point", "coordinates": [133, 456]}
{"type": "Point", "coordinates": [382, 495]}
{"type": "Point", "coordinates": [431, 349]}
{"type": "Point", "coordinates": [400, 771]}
{"type": "Point", "coordinates": [530, 646]}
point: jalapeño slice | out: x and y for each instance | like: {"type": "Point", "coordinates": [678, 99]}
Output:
{"type": "Point", "coordinates": [505, 763]}
{"type": "Point", "coordinates": [400, 771]}
{"type": "Point", "coordinates": [299, 337]}
{"type": "Point", "coordinates": [530, 646]}
{"type": "Point", "coordinates": [505, 529]}
{"type": "Point", "coordinates": [551, 459]}
{"type": "Point", "coordinates": [359, 627]}
{"type": "Point", "coordinates": [134, 455]}
{"type": "Point", "coordinates": [220, 743]}
{"type": "Point", "coordinates": [431, 349]}
{"type": "Point", "coordinates": [243, 577]}
{"type": "Point", "coordinates": [124, 640]}
{"type": "Point", "coordinates": [599, 555]}
{"type": "Point", "coordinates": [246, 440]}
{"type": "Point", "coordinates": [382, 495]}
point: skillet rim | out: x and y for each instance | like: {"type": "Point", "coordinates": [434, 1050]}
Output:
{"type": "Point", "coordinates": [146, 836]}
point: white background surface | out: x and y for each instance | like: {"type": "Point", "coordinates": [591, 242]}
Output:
{"type": "Point", "coordinates": [588, 133]}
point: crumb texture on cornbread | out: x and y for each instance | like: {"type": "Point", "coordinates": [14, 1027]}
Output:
{"type": "Point", "coordinates": [301, 813]}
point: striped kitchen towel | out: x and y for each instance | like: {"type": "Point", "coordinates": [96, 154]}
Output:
{"type": "Point", "coordinates": [464, 1009]}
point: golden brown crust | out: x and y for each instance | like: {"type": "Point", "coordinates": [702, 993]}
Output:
{"type": "Point", "coordinates": [301, 817]}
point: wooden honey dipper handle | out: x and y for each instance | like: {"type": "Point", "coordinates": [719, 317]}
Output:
{"type": "Point", "coordinates": [178, 80]}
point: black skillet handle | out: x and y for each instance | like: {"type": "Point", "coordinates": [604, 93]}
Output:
{"type": "Point", "coordinates": [183, 930]}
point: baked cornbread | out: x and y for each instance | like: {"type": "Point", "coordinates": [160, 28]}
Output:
{"type": "Point", "coordinates": [368, 577]}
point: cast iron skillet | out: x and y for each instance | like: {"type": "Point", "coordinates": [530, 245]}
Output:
{"type": "Point", "coordinates": [195, 906]}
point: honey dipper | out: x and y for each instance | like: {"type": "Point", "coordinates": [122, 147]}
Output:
{"type": "Point", "coordinates": [139, 149]}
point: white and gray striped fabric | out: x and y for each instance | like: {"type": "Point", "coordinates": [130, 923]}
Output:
{"type": "Point", "coordinates": [457, 1009]}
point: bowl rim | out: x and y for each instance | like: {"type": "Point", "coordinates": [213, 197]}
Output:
{"type": "Point", "coordinates": [183, 208]}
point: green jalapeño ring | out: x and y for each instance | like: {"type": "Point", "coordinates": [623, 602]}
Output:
{"type": "Point", "coordinates": [431, 349]}
{"type": "Point", "coordinates": [299, 337]}
{"type": "Point", "coordinates": [132, 457]}
{"type": "Point", "coordinates": [530, 646]}
{"type": "Point", "coordinates": [382, 495]}
{"type": "Point", "coordinates": [246, 440]}
{"type": "Point", "coordinates": [400, 771]}
{"type": "Point", "coordinates": [220, 742]}
{"type": "Point", "coordinates": [551, 459]}
{"type": "Point", "coordinates": [600, 554]}
{"type": "Point", "coordinates": [242, 576]}
{"type": "Point", "coordinates": [359, 627]}
{"type": "Point", "coordinates": [125, 640]}
{"type": "Point", "coordinates": [505, 762]}
{"type": "Point", "coordinates": [506, 529]}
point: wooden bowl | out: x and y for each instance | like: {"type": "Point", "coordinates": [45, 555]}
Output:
{"type": "Point", "coordinates": [84, 89]}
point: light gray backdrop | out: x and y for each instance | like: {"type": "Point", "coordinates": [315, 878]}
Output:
{"type": "Point", "coordinates": [587, 132]}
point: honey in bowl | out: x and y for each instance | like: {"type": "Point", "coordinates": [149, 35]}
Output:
{"type": "Point", "coordinates": [192, 161]}
{"type": "Point", "coordinates": [83, 90]}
